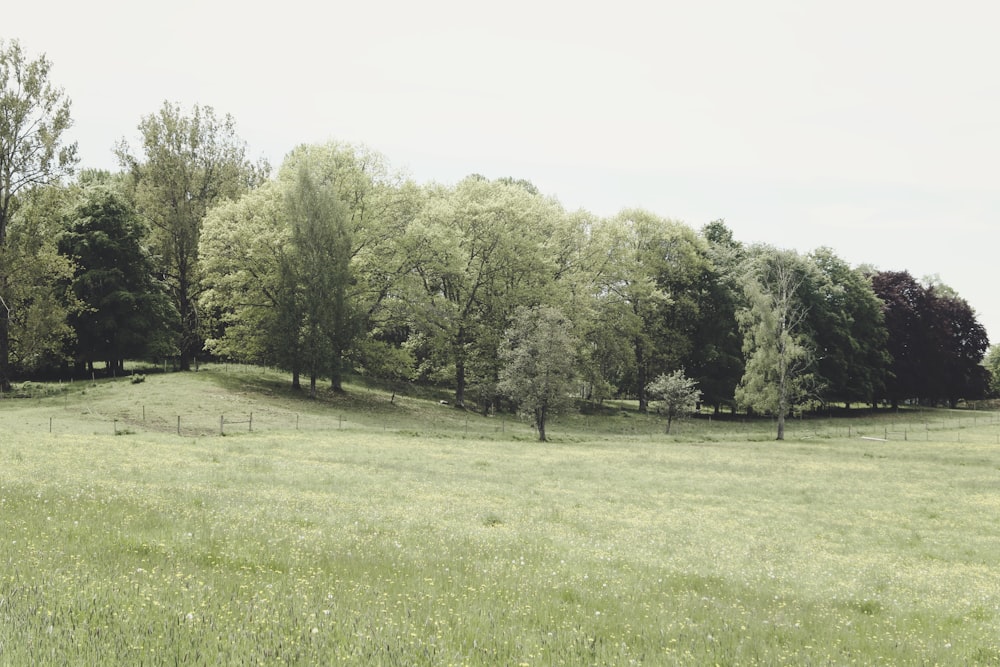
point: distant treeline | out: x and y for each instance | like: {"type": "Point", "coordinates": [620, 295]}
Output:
{"type": "Point", "coordinates": [336, 264]}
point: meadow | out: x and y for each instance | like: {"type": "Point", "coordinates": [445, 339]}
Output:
{"type": "Point", "coordinates": [355, 530]}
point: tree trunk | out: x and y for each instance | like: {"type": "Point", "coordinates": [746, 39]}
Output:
{"type": "Point", "coordinates": [296, 380]}
{"type": "Point", "coordinates": [189, 323]}
{"type": "Point", "coordinates": [781, 425]}
{"type": "Point", "coordinates": [312, 385]}
{"type": "Point", "coordinates": [4, 349]}
{"type": "Point", "coordinates": [460, 383]}
{"type": "Point", "coordinates": [640, 377]}
{"type": "Point", "coordinates": [336, 374]}
{"type": "Point", "coordinates": [540, 423]}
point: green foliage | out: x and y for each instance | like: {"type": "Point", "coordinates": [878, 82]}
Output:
{"type": "Point", "coordinates": [538, 357]}
{"type": "Point", "coordinates": [779, 351]}
{"type": "Point", "coordinates": [847, 327]}
{"type": "Point", "coordinates": [34, 115]}
{"type": "Point", "coordinates": [647, 291]}
{"type": "Point", "coordinates": [127, 313]}
{"type": "Point", "coordinates": [35, 277]}
{"type": "Point", "coordinates": [385, 362]}
{"type": "Point", "coordinates": [189, 162]}
{"type": "Point", "coordinates": [991, 362]}
{"type": "Point", "coordinates": [249, 289]}
{"type": "Point", "coordinates": [676, 394]}
{"type": "Point", "coordinates": [321, 240]}
{"type": "Point", "coordinates": [479, 251]}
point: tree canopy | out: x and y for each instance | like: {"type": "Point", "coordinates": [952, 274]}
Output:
{"type": "Point", "coordinates": [339, 263]}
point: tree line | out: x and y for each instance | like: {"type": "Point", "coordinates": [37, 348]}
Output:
{"type": "Point", "coordinates": [335, 263]}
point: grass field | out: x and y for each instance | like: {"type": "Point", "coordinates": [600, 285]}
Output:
{"type": "Point", "coordinates": [357, 531]}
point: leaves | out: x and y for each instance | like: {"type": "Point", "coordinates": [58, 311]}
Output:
{"type": "Point", "coordinates": [676, 394]}
{"type": "Point", "coordinates": [538, 371]}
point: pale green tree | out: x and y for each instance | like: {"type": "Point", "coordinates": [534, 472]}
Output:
{"type": "Point", "coordinates": [675, 394]}
{"type": "Point", "coordinates": [538, 357]}
{"type": "Point", "coordinates": [478, 251]}
{"type": "Point", "coordinates": [778, 349]}
{"type": "Point", "coordinates": [379, 205]}
{"type": "Point", "coordinates": [34, 116]}
{"type": "Point", "coordinates": [187, 163]}
{"type": "Point", "coordinates": [250, 279]}
{"type": "Point", "coordinates": [40, 332]}
{"type": "Point", "coordinates": [992, 364]}
{"type": "Point", "coordinates": [646, 289]}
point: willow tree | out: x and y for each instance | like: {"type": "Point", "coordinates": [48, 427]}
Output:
{"type": "Point", "coordinates": [34, 115]}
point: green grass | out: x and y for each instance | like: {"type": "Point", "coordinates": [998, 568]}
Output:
{"type": "Point", "coordinates": [413, 533]}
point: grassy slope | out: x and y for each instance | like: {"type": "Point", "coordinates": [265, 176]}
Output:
{"type": "Point", "coordinates": [414, 534]}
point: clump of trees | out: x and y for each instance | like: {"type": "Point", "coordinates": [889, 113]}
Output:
{"type": "Point", "coordinates": [336, 263]}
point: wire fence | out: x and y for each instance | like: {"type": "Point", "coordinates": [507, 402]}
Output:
{"type": "Point", "coordinates": [66, 407]}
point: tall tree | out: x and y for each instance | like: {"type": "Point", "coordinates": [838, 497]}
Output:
{"type": "Point", "coordinates": [379, 205]}
{"type": "Point", "coordinates": [905, 306]}
{"type": "Point", "coordinates": [716, 361]}
{"type": "Point", "coordinates": [34, 115]}
{"type": "Point", "coordinates": [187, 164]}
{"type": "Point", "coordinates": [479, 251]}
{"type": "Point", "coordinates": [250, 280]}
{"type": "Point", "coordinates": [848, 328]}
{"type": "Point", "coordinates": [126, 313]}
{"type": "Point", "coordinates": [646, 293]}
{"type": "Point", "coordinates": [962, 342]}
{"type": "Point", "coordinates": [538, 355]}
{"type": "Point", "coordinates": [779, 351]}
{"type": "Point", "coordinates": [39, 329]}
{"type": "Point", "coordinates": [322, 242]}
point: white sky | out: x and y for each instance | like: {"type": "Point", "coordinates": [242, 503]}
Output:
{"type": "Point", "coordinates": [871, 127]}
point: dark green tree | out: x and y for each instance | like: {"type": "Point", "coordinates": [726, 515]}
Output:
{"type": "Point", "coordinates": [963, 343]}
{"type": "Point", "coordinates": [716, 359]}
{"type": "Point", "coordinates": [848, 330]}
{"type": "Point", "coordinates": [126, 311]}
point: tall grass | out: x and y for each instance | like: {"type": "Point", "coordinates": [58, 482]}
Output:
{"type": "Point", "coordinates": [406, 537]}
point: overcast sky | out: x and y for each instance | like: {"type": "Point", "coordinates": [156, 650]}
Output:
{"type": "Point", "coordinates": [871, 127]}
